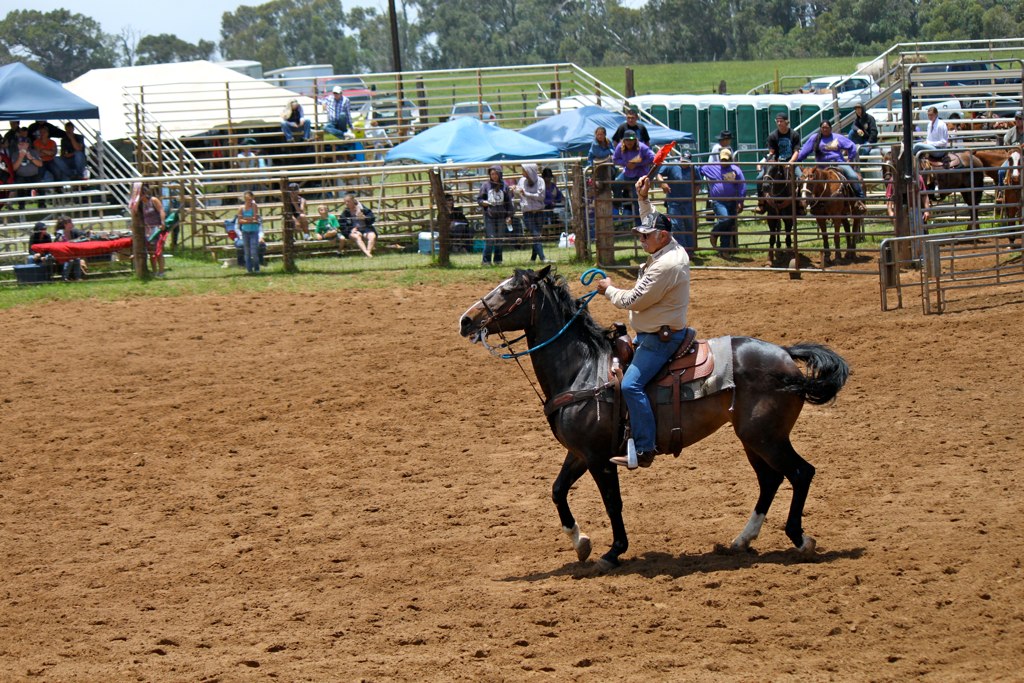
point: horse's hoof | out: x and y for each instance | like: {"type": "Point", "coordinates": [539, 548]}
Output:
{"type": "Point", "coordinates": [739, 545]}
{"type": "Point", "coordinates": [808, 548]}
{"type": "Point", "coordinates": [583, 548]}
{"type": "Point", "coordinates": [606, 565]}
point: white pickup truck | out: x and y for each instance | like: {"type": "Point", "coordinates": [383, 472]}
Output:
{"type": "Point", "coordinates": [849, 89]}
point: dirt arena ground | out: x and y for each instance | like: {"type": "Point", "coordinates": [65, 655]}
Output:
{"type": "Point", "coordinates": [335, 486]}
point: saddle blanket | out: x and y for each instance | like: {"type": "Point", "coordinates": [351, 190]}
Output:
{"type": "Point", "coordinates": [720, 379]}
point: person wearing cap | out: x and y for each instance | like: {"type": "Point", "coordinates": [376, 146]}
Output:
{"type": "Point", "coordinates": [38, 236]}
{"type": "Point", "coordinates": [726, 189]}
{"type": "Point", "coordinates": [1012, 137]}
{"type": "Point", "coordinates": [838, 150]}
{"type": "Point", "coordinates": [783, 146]}
{"type": "Point", "coordinates": [632, 123]}
{"type": "Point", "coordinates": [864, 130]}
{"type": "Point", "coordinates": [635, 159]}
{"type": "Point", "coordinates": [337, 107]}
{"type": "Point", "coordinates": [294, 121]}
{"type": "Point", "coordinates": [657, 303]}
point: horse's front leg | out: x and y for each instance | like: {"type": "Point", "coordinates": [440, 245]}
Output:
{"type": "Point", "coordinates": [606, 476]}
{"type": "Point", "coordinates": [572, 469]}
{"type": "Point", "coordinates": [826, 257]}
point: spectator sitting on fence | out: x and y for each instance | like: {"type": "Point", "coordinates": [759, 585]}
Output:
{"type": "Point", "coordinates": [72, 153]}
{"type": "Point", "coordinates": [357, 224]}
{"type": "Point", "coordinates": [294, 121]}
{"type": "Point", "coordinates": [936, 140]}
{"type": "Point", "coordinates": [338, 110]}
{"type": "Point", "coordinates": [632, 123]}
{"type": "Point", "coordinates": [325, 225]}
{"type": "Point", "coordinates": [601, 149]}
{"type": "Point", "coordinates": [863, 131]}
{"type": "Point", "coordinates": [459, 230]}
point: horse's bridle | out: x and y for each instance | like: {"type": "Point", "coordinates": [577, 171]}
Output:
{"type": "Point", "coordinates": [500, 314]}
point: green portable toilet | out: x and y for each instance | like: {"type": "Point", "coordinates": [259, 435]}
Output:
{"type": "Point", "coordinates": [747, 126]}
{"type": "Point", "coordinates": [717, 118]}
{"type": "Point", "coordinates": [682, 115]}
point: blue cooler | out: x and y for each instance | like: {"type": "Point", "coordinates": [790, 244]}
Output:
{"type": "Point", "coordinates": [426, 244]}
{"type": "Point", "coordinates": [31, 273]}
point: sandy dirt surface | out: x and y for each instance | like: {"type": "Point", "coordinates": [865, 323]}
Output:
{"type": "Point", "coordinates": [335, 486]}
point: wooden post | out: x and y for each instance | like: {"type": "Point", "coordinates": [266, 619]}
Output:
{"type": "Point", "coordinates": [443, 219]}
{"type": "Point", "coordinates": [577, 192]}
{"type": "Point", "coordinates": [630, 88]}
{"type": "Point", "coordinates": [603, 225]}
{"type": "Point", "coordinates": [290, 209]}
{"type": "Point", "coordinates": [138, 236]}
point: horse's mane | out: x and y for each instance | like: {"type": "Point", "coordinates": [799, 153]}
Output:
{"type": "Point", "coordinates": [557, 290]}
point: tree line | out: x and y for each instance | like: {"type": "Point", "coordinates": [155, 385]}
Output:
{"type": "Point", "coordinates": [449, 34]}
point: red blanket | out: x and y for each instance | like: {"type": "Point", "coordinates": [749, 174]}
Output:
{"type": "Point", "coordinates": [65, 251]}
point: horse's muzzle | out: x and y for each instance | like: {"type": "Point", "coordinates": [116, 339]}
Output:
{"type": "Point", "coordinates": [471, 329]}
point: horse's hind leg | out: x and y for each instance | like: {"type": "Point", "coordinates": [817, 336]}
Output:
{"type": "Point", "coordinates": [781, 457]}
{"type": "Point", "coordinates": [768, 481]}
{"type": "Point", "coordinates": [572, 469]}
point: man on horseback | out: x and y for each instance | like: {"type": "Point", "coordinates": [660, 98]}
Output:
{"type": "Point", "coordinates": [936, 141]}
{"type": "Point", "coordinates": [657, 305]}
{"type": "Point", "coordinates": [838, 150]}
{"type": "Point", "coordinates": [783, 145]}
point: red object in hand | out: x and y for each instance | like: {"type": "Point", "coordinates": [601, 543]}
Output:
{"type": "Point", "coordinates": [660, 157]}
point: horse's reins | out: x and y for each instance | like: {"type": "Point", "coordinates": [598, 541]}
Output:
{"type": "Point", "coordinates": [586, 278]}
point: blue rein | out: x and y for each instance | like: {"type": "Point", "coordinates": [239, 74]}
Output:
{"type": "Point", "coordinates": [586, 278]}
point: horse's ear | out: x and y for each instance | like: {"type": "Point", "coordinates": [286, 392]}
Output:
{"type": "Point", "coordinates": [543, 272]}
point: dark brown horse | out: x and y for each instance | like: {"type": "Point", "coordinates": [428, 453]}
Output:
{"type": "Point", "coordinates": [963, 173]}
{"type": "Point", "coordinates": [828, 196]}
{"type": "Point", "coordinates": [781, 208]}
{"type": "Point", "coordinates": [571, 359]}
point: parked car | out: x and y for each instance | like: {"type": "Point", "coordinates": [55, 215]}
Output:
{"type": "Point", "coordinates": [385, 113]}
{"type": "Point", "coordinates": [552, 107]}
{"type": "Point", "coordinates": [478, 110]}
{"type": "Point", "coordinates": [849, 89]}
{"type": "Point", "coordinates": [965, 72]}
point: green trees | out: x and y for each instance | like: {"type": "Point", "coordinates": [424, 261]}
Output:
{"type": "Point", "coordinates": [442, 34]}
{"type": "Point", "coordinates": [59, 44]}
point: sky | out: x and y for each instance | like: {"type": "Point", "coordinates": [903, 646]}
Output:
{"type": "Point", "coordinates": [190, 20]}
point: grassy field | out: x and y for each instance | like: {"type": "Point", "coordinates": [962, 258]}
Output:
{"type": "Point", "coordinates": [703, 77]}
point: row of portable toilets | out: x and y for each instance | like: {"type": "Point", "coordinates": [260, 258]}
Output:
{"type": "Point", "coordinates": [751, 118]}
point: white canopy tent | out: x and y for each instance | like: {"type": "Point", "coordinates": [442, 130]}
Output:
{"type": "Point", "coordinates": [184, 99]}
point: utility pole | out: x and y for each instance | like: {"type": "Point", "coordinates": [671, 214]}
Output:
{"type": "Point", "coordinates": [396, 53]}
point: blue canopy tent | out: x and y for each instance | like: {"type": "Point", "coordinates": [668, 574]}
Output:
{"type": "Point", "coordinates": [469, 140]}
{"type": "Point", "coordinates": [25, 94]}
{"type": "Point", "coordinates": [572, 131]}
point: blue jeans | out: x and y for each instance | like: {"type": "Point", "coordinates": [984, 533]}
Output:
{"type": "Point", "coordinates": [681, 216]}
{"type": "Point", "coordinates": [493, 234]}
{"type": "Point", "coordinates": [927, 146]}
{"type": "Point", "coordinates": [626, 188]}
{"type": "Point", "coordinates": [726, 223]}
{"type": "Point", "coordinates": [533, 222]}
{"type": "Point", "coordinates": [851, 175]}
{"type": "Point", "coordinates": [651, 355]}
{"type": "Point", "coordinates": [289, 129]}
{"type": "Point", "coordinates": [251, 247]}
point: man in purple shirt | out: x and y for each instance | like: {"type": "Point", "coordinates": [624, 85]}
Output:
{"type": "Point", "coordinates": [726, 189]}
{"type": "Point", "coordinates": [835, 149]}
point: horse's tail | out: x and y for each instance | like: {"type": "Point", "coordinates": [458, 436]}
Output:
{"type": "Point", "coordinates": [825, 374]}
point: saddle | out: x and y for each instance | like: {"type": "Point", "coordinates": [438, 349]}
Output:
{"type": "Point", "coordinates": [944, 160]}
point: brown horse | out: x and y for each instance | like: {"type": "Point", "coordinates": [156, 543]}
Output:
{"type": "Point", "coordinates": [778, 202]}
{"type": "Point", "coordinates": [1011, 189]}
{"type": "Point", "coordinates": [828, 196]}
{"type": "Point", "coordinates": [964, 174]}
